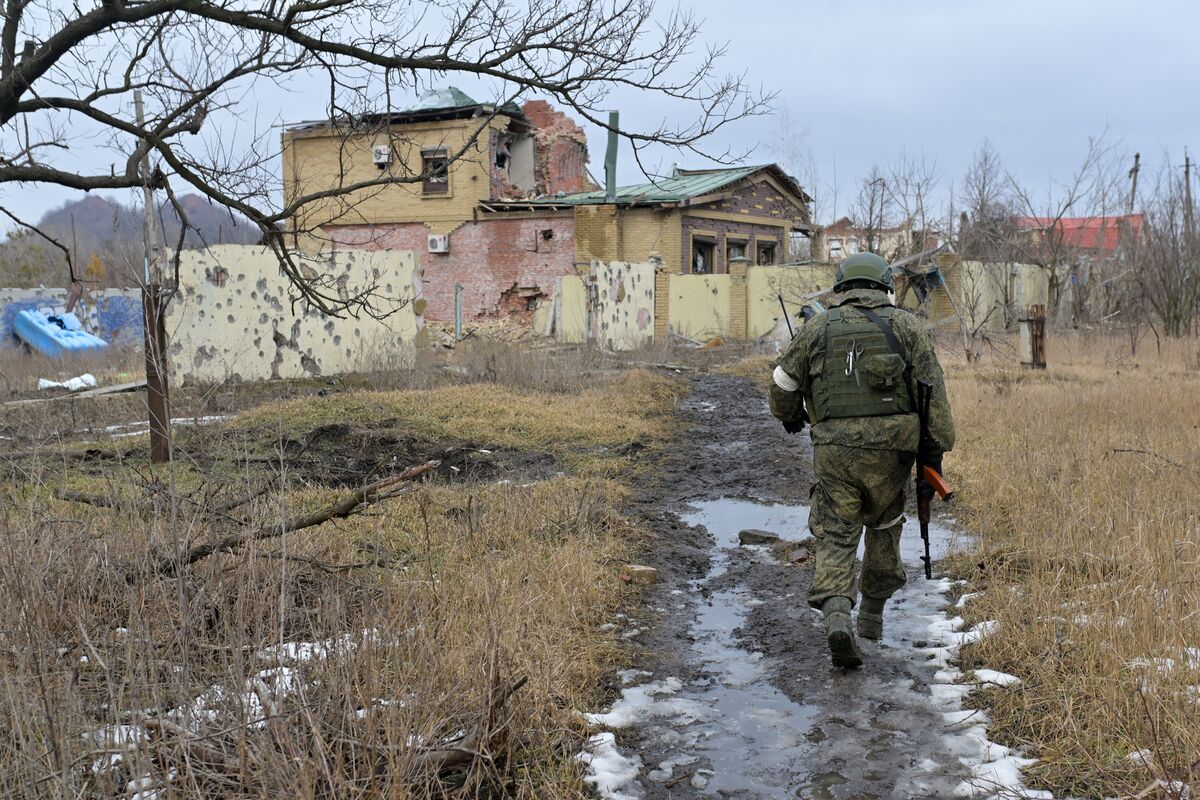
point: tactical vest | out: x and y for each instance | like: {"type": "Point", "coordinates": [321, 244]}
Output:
{"type": "Point", "coordinates": [864, 374]}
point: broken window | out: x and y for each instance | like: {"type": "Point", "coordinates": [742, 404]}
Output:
{"type": "Point", "coordinates": [766, 254]}
{"type": "Point", "coordinates": [835, 248]}
{"type": "Point", "coordinates": [503, 152]}
{"type": "Point", "coordinates": [435, 172]}
{"type": "Point", "coordinates": [734, 250]}
{"type": "Point", "coordinates": [703, 251]}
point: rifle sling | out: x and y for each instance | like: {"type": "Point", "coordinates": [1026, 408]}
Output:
{"type": "Point", "coordinates": [888, 333]}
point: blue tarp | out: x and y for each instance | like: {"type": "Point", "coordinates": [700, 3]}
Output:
{"type": "Point", "coordinates": [115, 318]}
{"type": "Point", "coordinates": [55, 335]}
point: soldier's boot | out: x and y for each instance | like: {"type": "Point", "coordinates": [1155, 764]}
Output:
{"type": "Point", "coordinates": [870, 618]}
{"type": "Point", "coordinates": [842, 646]}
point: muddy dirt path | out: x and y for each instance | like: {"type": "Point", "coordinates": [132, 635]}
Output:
{"type": "Point", "coordinates": [735, 695]}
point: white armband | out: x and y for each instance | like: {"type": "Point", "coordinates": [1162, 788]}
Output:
{"type": "Point", "coordinates": [785, 381]}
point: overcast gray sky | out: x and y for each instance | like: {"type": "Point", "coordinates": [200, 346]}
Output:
{"type": "Point", "coordinates": [863, 81]}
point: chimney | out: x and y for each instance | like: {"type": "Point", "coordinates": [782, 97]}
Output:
{"type": "Point", "coordinates": [610, 158]}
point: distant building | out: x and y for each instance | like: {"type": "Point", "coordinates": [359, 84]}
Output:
{"type": "Point", "coordinates": [843, 238]}
{"type": "Point", "coordinates": [1094, 236]}
{"type": "Point", "coordinates": [694, 220]}
{"type": "Point", "coordinates": [507, 214]}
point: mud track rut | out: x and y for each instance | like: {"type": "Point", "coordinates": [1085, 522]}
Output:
{"type": "Point", "coordinates": [760, 711]}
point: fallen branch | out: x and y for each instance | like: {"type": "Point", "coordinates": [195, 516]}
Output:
{"type": "Point", "coordinates": [237, 502]}
{"type": "Point", "coordinates": [1136, 451]}
{"type": "Point", "coordinates": [100, 500]}
{"type": "Point", "coordinates": [364, 496]}
{"type": "Point", "coordinates": [467, 749]}
{"type": "Point", "coordinates": [92, 453]}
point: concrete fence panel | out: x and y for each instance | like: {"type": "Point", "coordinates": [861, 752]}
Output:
{"type": "Point", "coordinates": [765, 285]}
{"type": "Point", "coordinates": [700, 305]}
{"type": "Point", "coordinates": [234, 317]}
{"type": "Point", "coordinates": [622, 311]}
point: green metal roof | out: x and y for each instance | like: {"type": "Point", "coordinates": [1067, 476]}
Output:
{"type": "Point", "coordinates": [438, 99]}
{"type": "Point", "coordinates": [682, 186]}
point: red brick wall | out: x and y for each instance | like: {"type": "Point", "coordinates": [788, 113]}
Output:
{"type": "Point", "coordinates": [561, 150]}
{"type": "Point", "coordinates": [488, 257]}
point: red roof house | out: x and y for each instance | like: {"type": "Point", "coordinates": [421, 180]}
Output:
{"type": "Point", "coordinates": [1101, 234]}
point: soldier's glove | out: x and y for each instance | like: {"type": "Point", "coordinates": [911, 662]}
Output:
{"type": "Point", "coordinates": [797, 425]}
{"type": "Point", "coordinates": [793, 426]}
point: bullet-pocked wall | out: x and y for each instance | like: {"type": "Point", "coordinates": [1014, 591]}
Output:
{"type": "Point", "coordinates": [234, 318]}
{"type": "Point", "coordinates": [622, 316]}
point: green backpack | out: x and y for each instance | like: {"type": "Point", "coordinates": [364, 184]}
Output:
{"type": "Point", "coordinates": [866, 372]}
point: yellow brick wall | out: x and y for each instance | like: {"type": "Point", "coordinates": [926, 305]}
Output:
{"type": "Point", "coordinates": [737, 301]}
{"type": "Point", "coordinates": [662, 302]}
{"type": "Point", "coordinates": [315, 161]}
{"type": "Point", "coordinates": [608, 233]}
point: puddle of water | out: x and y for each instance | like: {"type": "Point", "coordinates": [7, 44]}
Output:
{"type": "Point", "coordinates": [756, 742]}
{"type": "Point", "coordinates": [755, 732]}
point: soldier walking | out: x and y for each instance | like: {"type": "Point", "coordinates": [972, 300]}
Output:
{"type": "Point", "coordinates": [853, 370]}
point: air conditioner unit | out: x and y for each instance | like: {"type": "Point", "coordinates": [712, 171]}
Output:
{"type": "Point", "coordinates": [381, 154]}
{"type": "Point", "coordinates": [439, 244]}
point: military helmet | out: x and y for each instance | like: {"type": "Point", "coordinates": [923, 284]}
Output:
{"type": "Point", "coordinates": [864, 267]}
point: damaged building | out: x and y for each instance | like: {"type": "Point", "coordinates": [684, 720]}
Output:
{"type": "Point", "coordinates": [497, 201]}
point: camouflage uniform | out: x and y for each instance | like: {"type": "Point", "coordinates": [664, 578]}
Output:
{"type": "Point", "coordinates": [861, 463]}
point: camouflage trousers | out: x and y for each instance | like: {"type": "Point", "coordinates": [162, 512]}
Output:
{"type": "Point", "coordinates": [857, 488]}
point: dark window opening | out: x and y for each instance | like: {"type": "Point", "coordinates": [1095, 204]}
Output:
{"type": "Point", "coordinates": [735, 250]}
{"type": "Point", "coordinates": [703, 256]}
{"type": "Point", "coordinates": [435, 172]}
{"type": "Point", "coordinates": [766, 254]}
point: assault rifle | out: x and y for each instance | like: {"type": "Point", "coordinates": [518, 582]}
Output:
{"type": "Point", "coordinates": [928, 479]}
{"type": "Point", "coordinates": [786, 318]}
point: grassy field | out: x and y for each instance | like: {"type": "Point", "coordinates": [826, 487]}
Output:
{"type": "Point", "coordinates": [443, 639]}
{"type": "Point", "coordinates": [1082, 483]}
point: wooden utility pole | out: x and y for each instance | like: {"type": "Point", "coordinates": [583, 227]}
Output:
{"type": "Point", "coordinates": [1133, 175]}
{"type": "Point", "coordinates": [153, 325]}
{"type": "Point", "coordinates": [1187, 195]}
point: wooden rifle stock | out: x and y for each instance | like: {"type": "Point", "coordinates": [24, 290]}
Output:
{"type": "Point", "coordinates": [938, 483]}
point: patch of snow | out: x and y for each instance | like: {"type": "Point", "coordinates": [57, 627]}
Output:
{"type": "Point", "coordinates": [666, 770]}
{"type": "Point", "coordinates": [990, 677]}
{"type": "Point", "coordinates": [646, 701]}
{"type": "Point", "coordinates": [1142, 757]}
{"type": "Point", "coordinates": [1000, 779]}
{"type": "Point", "coordinates": [613, 775]}
{"type": "Point", "coordinates": [966, 598]}
{"type": "Point", "coordinates": [629, 676]}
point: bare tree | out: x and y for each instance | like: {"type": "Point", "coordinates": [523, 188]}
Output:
{"type": "Point", "coordinates": [872, 209]}
{"type": "Point", "coordinates": [910, 185]}
{"type": "Point", "coordinates": [1168, 266]}
{"type": "Point", "coordinates": [1091, 192]}
{"type": "Point", "coordinates": [68, 70]}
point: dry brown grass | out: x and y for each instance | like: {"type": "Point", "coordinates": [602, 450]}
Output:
{"type": "Point", "coordinates": [584, 427]}
{"type": "Point", "coordinates": [438, 601]}
{"type": "Point", "coordinates": [1082, 483]}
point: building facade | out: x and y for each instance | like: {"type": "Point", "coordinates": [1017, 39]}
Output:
{"type": "Point", "coordinates": [497, 201]}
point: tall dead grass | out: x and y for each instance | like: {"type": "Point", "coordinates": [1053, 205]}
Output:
{"type": "Point", "coordinates": [1082, 483]}
{"type": "Point", "coordinates": [438, 643]}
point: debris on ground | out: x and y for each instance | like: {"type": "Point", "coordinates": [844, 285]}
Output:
{"type": "Point", "coordinates": [756, 536]}
{"type": "Point", "coordinates": [799, 555]}
{"type": "Point", "coordinates": [641, 574]}
{"type": "Point", "coordinates": [85, 381]}
{"type": "Point", "coordinates": [55, 335]}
